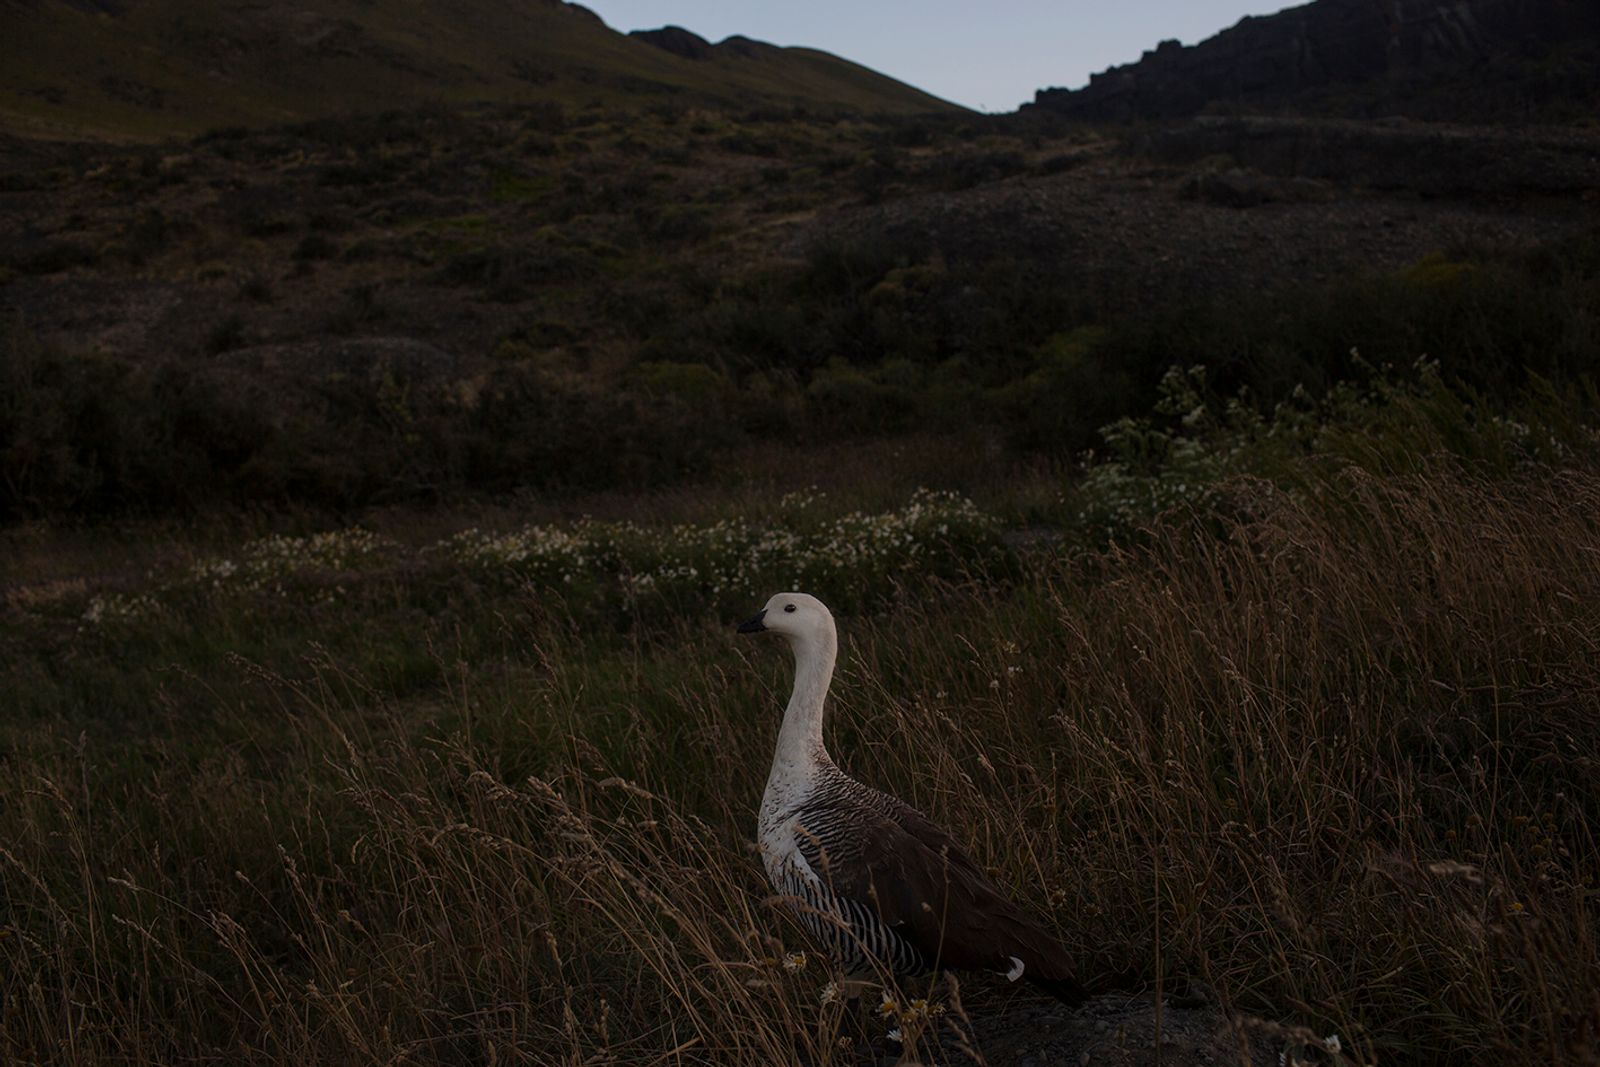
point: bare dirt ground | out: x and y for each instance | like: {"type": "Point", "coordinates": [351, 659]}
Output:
{"type": "Point", "coordinates": [1114, 1030]}
{"type": "Point", "coordinates": [1121, 1031]}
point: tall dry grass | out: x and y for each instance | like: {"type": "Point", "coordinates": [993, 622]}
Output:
{"type": "Point", "coordinates": [1332, 752]}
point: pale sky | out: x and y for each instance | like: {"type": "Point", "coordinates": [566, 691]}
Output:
{"type": "Point", "coordinates": [986, 54]}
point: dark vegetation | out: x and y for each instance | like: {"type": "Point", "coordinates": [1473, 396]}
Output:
{"type": "Point", "coordinates": [554, 301]}
{"type": "Point", "coordinates": [1318, 733]}
{"type": "Point", "coordinates": [1290, 685]}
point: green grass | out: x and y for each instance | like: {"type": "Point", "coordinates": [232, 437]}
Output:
{"type": "Point", "coordinates": [1319, 735]}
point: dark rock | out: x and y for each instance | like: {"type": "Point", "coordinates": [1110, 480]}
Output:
{"type": "Point", "coordinates": [1114, 1029]}
{"type": "Point", "coordinates": [1422, 57]}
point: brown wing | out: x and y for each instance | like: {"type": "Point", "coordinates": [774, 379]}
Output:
{"type": "Point", "coordinates": [924, 885]}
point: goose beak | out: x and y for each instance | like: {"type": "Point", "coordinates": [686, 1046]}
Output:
{"type": "Point", "coordinates": [755, 625]}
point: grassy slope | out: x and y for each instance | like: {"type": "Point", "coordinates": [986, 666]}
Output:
{"type": "Point", "coordinates": [176, 66]}
{"type": "Point", "coordinates": [1329, 749]}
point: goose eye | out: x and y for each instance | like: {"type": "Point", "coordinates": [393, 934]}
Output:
{"type": "Point", "coordinates": [788, 607]}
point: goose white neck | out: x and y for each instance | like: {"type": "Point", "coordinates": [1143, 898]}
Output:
{"type": "Point", "coordinates": [800, 740]}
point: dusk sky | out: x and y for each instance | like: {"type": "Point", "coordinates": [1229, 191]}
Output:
{"type": "Point", "coordinates": [990, 56]}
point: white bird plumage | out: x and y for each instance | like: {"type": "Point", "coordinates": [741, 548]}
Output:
{"type": "Point", "coordinates": [880, 885]}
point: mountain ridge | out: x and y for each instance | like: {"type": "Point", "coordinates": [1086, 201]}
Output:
{"type": "Point", "coordinates": [1474, 60]}
{"type": "Point", "coordinates": [139, 71]}
{"type": "Point", "coordinates": [690, 45]}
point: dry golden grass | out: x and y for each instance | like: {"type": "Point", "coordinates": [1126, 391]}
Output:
{"type": "Point", "coordinates": [1332, 753]}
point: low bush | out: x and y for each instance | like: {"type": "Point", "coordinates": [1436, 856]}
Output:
{"type": "Point", "coordinates": [315, 246]}
{"type": "Point", "coordinates": [48, 256]}
{"type": "Point", "coordinates": [507, 273]}
{"type": "Point", "coordinates": [92, 435]}
{"type": "Point", "coordinates": [1195, 440]}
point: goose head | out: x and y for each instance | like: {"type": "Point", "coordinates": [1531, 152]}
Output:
{"type": "Point", "coordinates": [797, 616]}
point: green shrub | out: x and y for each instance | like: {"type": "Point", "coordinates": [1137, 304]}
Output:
{"type": "Point", "coordinates": [511, 186]}
{"type": "Point", "coordinates": [48, 256]}
{"type": "Point", "coordinates": [692, 384]}
{"type": "Point", "coordinates": [844, 398]}
{"type": "Point", "coordinates": [530, 428]}
{"type": "Point", "coordinates": [1384, 421]}
{"type": "Point", "coordinates": [262, 210]}
{"type": "Point", "coordinates": [315, 246]}
{"type": "Point", "coordinates": [678, 224]}
{"type": "Point", "coordinates": [963, 170]}
{"type": "Point", "coordinates": [1071, 392]}
{"type": "Point", "coordinates": [150, 234]}
{"type": "Point", "coordinates": [84, 433]}
{"type": "Point", "coordinates": [368, 170]}
{"type": "Point", "coordinates": [507, 272]}
{"type": "Point", "coordinates": [535, 338]}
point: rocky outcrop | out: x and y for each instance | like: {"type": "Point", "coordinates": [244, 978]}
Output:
{"type": "Point", "coordinates": [1361, 57]}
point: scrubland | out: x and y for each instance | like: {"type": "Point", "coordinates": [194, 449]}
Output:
{"type": "Point", "coordinates": [386, 714]}
{"type": "Point", "coordinates": [423, 308]}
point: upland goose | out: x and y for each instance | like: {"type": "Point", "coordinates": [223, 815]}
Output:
{"type": "Point", "coordinates": [872, 879]}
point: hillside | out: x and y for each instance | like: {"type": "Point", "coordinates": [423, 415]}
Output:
{"type": "Point", "coordinates": [155, 68]}
{"type": "Point", "coordinates": [1210, 507]}
{"type": "Point", "coordinates": [1479, 60]}
{"type": "Point", "coordinates": [563, 296]}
